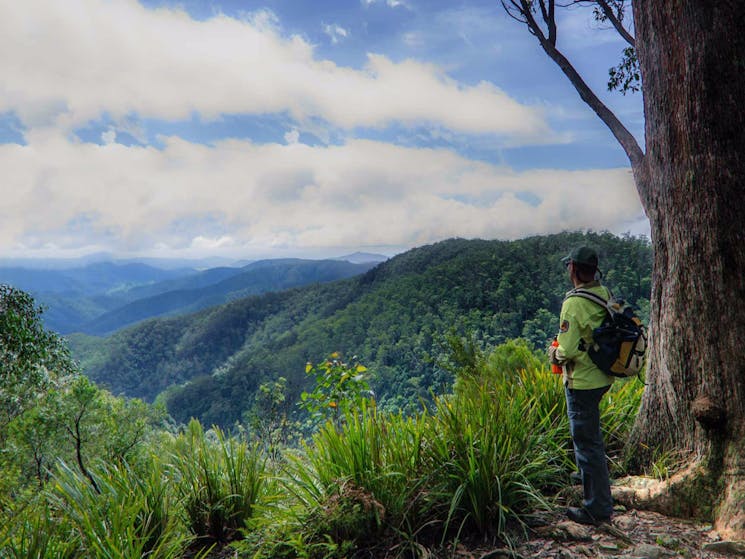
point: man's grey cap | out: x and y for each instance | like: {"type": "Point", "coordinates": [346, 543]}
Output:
{"type": "Point", "coordinates": [582, 255]}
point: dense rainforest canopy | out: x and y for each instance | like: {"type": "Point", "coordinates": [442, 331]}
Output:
{"type": "Point", "coordinates": [396, 319]}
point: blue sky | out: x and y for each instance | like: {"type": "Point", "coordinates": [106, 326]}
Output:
{"type": "Point", "coordinates": [290, 128]}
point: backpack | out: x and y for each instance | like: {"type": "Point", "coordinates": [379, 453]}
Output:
{"type": "Point", "coordinates": [620, 343]}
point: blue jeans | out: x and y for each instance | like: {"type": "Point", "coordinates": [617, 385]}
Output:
{"type": "Point", "coordinates": [589, 449]}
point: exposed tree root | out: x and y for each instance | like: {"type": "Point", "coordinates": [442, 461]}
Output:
{"type": "Point", "coordinates": [690, 493]}
{"type": "Point", "coordinates": [730, 516]}
{"type": "Point", "coordinates": [684, 495]}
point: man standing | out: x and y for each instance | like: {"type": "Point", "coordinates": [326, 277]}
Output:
{"type": "Point", "coordinates": [584, 386]}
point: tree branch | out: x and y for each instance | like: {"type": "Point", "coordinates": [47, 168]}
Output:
{"type": "Point", "coordinates": [511, 11]}
{"type": "Point", "coordinates": [547, 19]}
{"type": "Point", "coordinates": [625, 138]}
{"type": "Point", "coordinates": [79, 456]}
{"type": "Point", "coordinates": [614, 16]}
{"type": "Point", "coordinates": [550, 19]}
{"type": "Point", "coordinates": [616, 22]}
{"type": "Point", "coordinates": [530, 21]}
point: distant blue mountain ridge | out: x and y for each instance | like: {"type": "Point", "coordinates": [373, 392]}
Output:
{"type": "Point", "coordinates": [101, 277]}
{"type": "Point", "coordinates": [102, 297]}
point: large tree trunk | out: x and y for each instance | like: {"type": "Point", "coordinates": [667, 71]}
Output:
{"type": "Point", "coordinates": [692, 183]}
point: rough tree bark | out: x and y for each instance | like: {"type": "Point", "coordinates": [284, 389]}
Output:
{"type": "Point", "coordinates": [691, 182]}
{"type": "Point", "coordinates": [692, 60]}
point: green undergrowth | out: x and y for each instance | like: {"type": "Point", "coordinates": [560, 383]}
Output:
{"type": "Point", "coordinates": [471, 466]}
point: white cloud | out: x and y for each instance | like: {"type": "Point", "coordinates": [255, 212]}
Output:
{"type": "Point", "coordinates": [108, 137]}
{"type": "Point", "coordinates": [414, 39]}
{"type": "Point", "coordinates": [293, 136]}
{"type": "Point", "coordinates": [66, 62]}
{"type": "Point", "coordinates": [201, 244]}
{"type": "Point", "coordinates": [240, 198]}
{"type": "Point", "coordinates": [335, 32]}
{"type": "Point", "coordinates": [389, 3]}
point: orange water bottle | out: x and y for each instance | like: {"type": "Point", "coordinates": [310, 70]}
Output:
{"type": "Point", "coordinates": [556, 369]}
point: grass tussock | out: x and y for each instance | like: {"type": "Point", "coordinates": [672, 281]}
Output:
{"type": "Point", "coordinates": [128, 514]}
{"type": "Point", "coordinates": [219, 481]}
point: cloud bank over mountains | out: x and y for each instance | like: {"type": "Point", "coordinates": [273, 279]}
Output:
{"type": "Point", "coordinates": [123, 69]}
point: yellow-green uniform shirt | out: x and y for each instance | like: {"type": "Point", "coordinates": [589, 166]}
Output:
{"type": "Point", "coordinates": [578, 318]}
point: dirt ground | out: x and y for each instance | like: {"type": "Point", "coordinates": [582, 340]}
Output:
{"type": "Point", "coordinates": [631, 534]}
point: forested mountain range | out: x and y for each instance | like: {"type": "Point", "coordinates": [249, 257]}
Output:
{"type": "Point", "coordinates": [103, 297]}
{"type": "Point", "coordinates": [72, 296]}
{"type": "Point", "coordinates": [394, 318]}
{"type": "Point", "coordinates": [99, 277]}
{"type": "Point", "coordinates": [255, 278]}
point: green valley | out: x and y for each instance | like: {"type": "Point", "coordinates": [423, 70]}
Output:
{"type": "Point", "coordinates": [396, 319]}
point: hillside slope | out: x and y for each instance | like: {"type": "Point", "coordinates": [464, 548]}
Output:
{"type": "Point", "coordinates": [394, 318]}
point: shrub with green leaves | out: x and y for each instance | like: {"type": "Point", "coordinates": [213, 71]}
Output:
{"type": "Point", "coordinates": [32, 358]}
{"type": "Point", "coordinates": [475, 464]}
{"type": "Point", "coordinates": [339, 387]}
{"type": "Point", "coordinates": [516, 368]}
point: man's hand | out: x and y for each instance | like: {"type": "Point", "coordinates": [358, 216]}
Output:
{"type": "Point", "coordinates": [552, 356]}
{"type": "Point", "coordinates": [556, 357]}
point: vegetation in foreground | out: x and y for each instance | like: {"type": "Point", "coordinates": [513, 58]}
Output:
{"type": "Point", "coordinates": [90, 475]}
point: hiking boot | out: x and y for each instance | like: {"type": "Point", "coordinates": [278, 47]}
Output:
{"type": "Point", "coordinates": [581, 516]}
{"type": "Point", "coordinates": [575, 478]}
